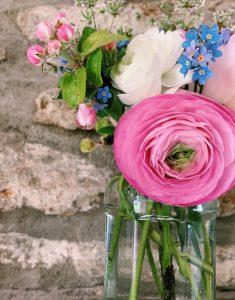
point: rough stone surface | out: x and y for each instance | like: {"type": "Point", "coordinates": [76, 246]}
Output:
{"type": "Point", "coordinates": [54, 112]}
{"type": "Point", "coordinates": [227, 204]}
{"type": "Point", "coordinates": [30, 255]}
{"type": "Point", "coordinates": [33, 175]}
{"type": "Point", "coordinates": [225, 267]}
{"type": "Point", "coordinates": [94, 293]}
{"type": "Point", "coordinates": [2, 54]}
{"type": "Point", "coordinates": [39, 258]}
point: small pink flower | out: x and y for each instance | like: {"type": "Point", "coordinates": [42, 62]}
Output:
{"type": "Point", "coordinates": [45, 30]}
{"type": "Point", "coordinates": [53, 47]}
{"type": "Point", "coordinates": [65, 33]}
{"type": "Point", "coordinates": [36, 54]}
{"type": "Point", "coordinates": [86, 117]}
{"type": "Point", "coordinates": [178, 149]}
{"type": "Point", "coordinates": [60, 19]}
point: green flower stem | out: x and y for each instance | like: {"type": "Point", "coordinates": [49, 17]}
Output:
{"type": "Point", "coordinates": [118, 221]}
{"type": "Point", "coordinates": [154, 270]}
{"type": "Point", "coordinates": [198, 263]}
{"type": "Point", "coordinates": [201, 89]}
{"type": "Point", "coordinates": [156, 238]}
{"type": "Point", "coordinates": [208, 261]}
{"type": "Point", "coordinates": [115, 239]}
{"type": "Point", "coordinates": [141, 251]}
{"type": "Point", "coordinates": [185, 269]}
{"type": "Point", "coordinates": [165, 255]}
{"type": "Point", "coordinates": [93, 16]}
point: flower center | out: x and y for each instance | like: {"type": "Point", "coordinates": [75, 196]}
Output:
{"type": "Point", "coordinates": [201, 72]}
{"type": "Point", "coordinates": [192, 53]}
{"type": "Point", "coordinates": [103, 94]}
{"type": "Point", "coordinates": [187, 63]}
{"type": "Point", "coordinates": [180, 157]}
{"type": "Point", "coordinates": [201, 58]}
{"type": "Point", "coordinates": [209, 36]}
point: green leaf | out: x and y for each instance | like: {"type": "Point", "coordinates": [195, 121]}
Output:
{"type": "Point", "coordinates": [73, 86]}
{"type": "Point", "coordinates": [59, 95]}
{"type": "Point", "coordinates": [68, 88]}
{"type": "Point", "coordinates": [94, 67]}
{"type": "Point", "coordinates": [81, 84]}
{"type": "Point", "coordinates": [109, 130]}
{"type": "Point", "coordinates": [98, 39]}
{"type": "Point", "coordinates": [117, 106]}
{"type": "Point", "coordinates": [87, 31]}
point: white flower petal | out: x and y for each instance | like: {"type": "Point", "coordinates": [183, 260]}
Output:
{"type": "Point", "coordinates": [174, 78]}
{"type": "Point", "coordinates": [148, 65]}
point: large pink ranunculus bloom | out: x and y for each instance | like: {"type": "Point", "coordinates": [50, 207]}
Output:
{"type": "Point", "coordinates": [221, 87]}
{"type": "Point", "coordinates": [177, 149]}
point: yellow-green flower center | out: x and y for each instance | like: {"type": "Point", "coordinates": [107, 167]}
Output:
{"type": "Point", "coordinates": [180, 157]}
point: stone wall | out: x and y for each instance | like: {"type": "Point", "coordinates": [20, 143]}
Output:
{"type": "Point", "coordinates": [51, 218]}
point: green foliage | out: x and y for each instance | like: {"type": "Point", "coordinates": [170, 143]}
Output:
{"type": "Point", "coordinates": [73, 86]}
{"type": "Point", "coordinates": [98, 39]}
{"type": "Point", "coordinates": [94, 68]}
{"type": "Point", "coordinates": [101, 123]}
{"type": "Point", "coordinates": [116, 108]}
{"type": "Point", "coordinates": [110, 59]}
{"type": "Point", "coordinates": [87, 31]}
{"type": "Point", "coordinates": [109, 130]}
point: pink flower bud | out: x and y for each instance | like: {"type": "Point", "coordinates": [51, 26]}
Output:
{"type": "Point", "coordinates": [53, 47]}
{"type": "Point", "coordinates": [45, 30]}
{"type": "Point", "coordinates": [36, 54]}
{"type": "Point", "coordinates": [60, 19]}
{"type": "Point", "coordinates": [65, 33]}
{"type": "Point", "coordinates": [86, 117]}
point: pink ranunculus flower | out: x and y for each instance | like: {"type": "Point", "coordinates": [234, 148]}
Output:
{"type": "Point", "coordinates": [86, 117]}
{"type": "Point", "coordinates": [45, 30]}
{"type": "Point", "coordinates": [53, 47]}
{"type": "Point", "coordinates": [221, 87]}
{"type": "Point", "coordinates": [36, 54]}
{"type": "Point", "coordinates": [65, 33]}
{"type": "Point", "coordinates": [178, 149]}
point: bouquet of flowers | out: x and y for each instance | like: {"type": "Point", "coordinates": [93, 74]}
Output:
{"type": "Point", "coordinates": [165, 100]}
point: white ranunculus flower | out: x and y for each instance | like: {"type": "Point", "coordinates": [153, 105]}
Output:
{"type": "Point", "coordinates": [149, 67]}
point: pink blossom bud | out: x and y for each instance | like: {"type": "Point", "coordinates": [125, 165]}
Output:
{"type": "Point", "coordinates": [53, 47]}
{"type": "Point", "coordinates": [45, 30]}
{"type": "Point", "coordinates": [60, 19]}
{"type": "Point", "coordinates": [86, 117]}
{"type": "Point", "coordinates": [36, 54]}
{"type": "Point", "coordinates": [65, 33]}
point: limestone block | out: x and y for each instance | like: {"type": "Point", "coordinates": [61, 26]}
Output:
{"type": "Point", "coordinates": [36, 176]}
{"type": "Point", "coordinates": [54, 112]}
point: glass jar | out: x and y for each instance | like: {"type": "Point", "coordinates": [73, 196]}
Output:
{"type": "Point", "coordinates": [155, 251]}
